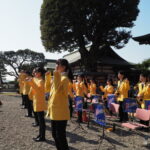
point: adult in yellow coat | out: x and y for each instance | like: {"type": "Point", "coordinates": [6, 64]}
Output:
{"type": "Point", "coordinates": [122, 93]}
{"type": "Point", "coordinates": [37, 83]}
{"type": "Point", "coordinates": [58, 106]}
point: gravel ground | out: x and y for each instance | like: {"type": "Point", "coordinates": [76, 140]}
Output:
{"type": "Point", "coordinates": [16, 132]}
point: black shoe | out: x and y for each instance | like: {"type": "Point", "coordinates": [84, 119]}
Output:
{"type": "Point", "coordinates": [28, 115]}
{"type": "Point", "coordinates": [23, 107]}
{"type": "Point", "coordinates": [39, 139]}
{"type": "Point", "coordinates": [35, 125]}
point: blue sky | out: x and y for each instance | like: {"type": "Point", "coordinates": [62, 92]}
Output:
{"type": "Point", "coordinates": [20, 29]}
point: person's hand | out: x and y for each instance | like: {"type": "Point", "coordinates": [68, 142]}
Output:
{"type": "Point", "coordinates": [48, 73]}
{"type": "Point", "coordinates": [28, 79]}
{"type": "Point", "coordinates": [101, 86]}
{"type": "Point", "coordinates": [126, 80]}
{"type": "Point", "coordinates": [56, 68]}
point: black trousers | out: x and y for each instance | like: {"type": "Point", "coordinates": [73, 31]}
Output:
{"type": "Point", "coordinates": [59, 134]}
{"type": "Point", "coordinates": [36, 118]}
{"type": "Point", "coordinates": [70, 106]}
{"type": "Point", "coordinates": [25, 100]}
{"type": "Point", "coordinates": [80, 111]}
{"type": "Point", "coordinates": [41, 120]}
{"type": "Point", "coordinates": [122, 115]}
{"type": "Point", "coordinates": [28, 105]}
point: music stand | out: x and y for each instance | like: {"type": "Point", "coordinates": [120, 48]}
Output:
{"type": "Point", "coordinates": [95, 101]}
{"type": "Point", "coordinates": [130, 105]}
{"type": "Point", "coordinates": [147, 104]}
{"type": "Point", "coordinates": [111, 98]}
{"type": "Point", "coordinates": [79, 108]}
{"type": "Point", "coordinates": [100, 120]}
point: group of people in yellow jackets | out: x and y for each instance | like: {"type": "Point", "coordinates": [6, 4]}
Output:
{"type": "Point", "coordinates": [55, 94]}
{"type": "Point", "coordinates": [47, 94]}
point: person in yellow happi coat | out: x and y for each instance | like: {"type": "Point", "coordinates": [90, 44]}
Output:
{"type": "Point", "coordinates": [144, 92]}
{"type": "Point", "coordinates": [58, 106]}
{"type": "Point", "coordinates": [141, 87]}
{"type": "Point", "coordinates": [122, 93]}
{"type": "Point", "coordinates": [21, 78]}
{"type": "Point", "coordinates": [81, 90]}
{"type": "Point", "coordinates": [25, 91]}
{"type": "Point", "coordinates": [109, 89]}
{"type": "Point", "coordinates": [31, 94]}
{"type": "Point", "coordinates": [39, 105]}
{"type": "Point", "coordinates": [80, 87]}
{"type": "Point", "coordinates": [92, 88]}
{"type": "Point", "coordinates": [144, 95]}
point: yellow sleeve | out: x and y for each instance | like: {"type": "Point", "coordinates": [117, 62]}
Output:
{"type": "Point", "coordinates": [110, 89]}
{"type": "Point", "coordinates": [47, 82]}
{"type": "Point", "coordinates": [57, 79]}
{"type": "Point", "coordinates": [145, 90]}
{"type": "Point", "coordinates": [102, 89]}
{"type": "Point", "coordinates": [124, 87]}
{"type": "Point", "coordinates": [70, 88]}
{"type": "Point", "coordinates": [127, 85]}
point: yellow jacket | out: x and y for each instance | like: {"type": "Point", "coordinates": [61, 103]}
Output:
{"type": "Point", "coordinates": [31, 93]}
{"type": "Point", "coordinates": [70, 89]}
{"type": "Point", "coordinates": [58, 106]}
{"type": "Point", "coordinates": [25, 88]}
{"type": "Point", "coordinates": [80, 89]}
{"type": "Point", "coordinates": [47, 83]}
{"type": "Point", "coordinates": [145, 92]}
{"type": "Point", "coordinates": [109, 89]}
{"type": "Point", "coordinates": [122, 88]}
{"type": "Point", "coordinates": [74, 86]}
{"type": "Point", "coordinates": [140, 88]}
{"type": "Point", "coordinates": [21, 79]}
{"type": "Point", "coordinates": [39, 103]}
{"type": "Point", "coordinates": [92, 88]}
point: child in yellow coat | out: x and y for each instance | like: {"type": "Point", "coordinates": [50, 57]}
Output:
{"type": "Point", "coordinates": [122, 93]}
{"type": "Point", "coordinates": [58, 106]}
{"type": "Point", "coordinates": [80, 91]}
{"type": "Point", "coordinates": [39, 105]}
{"type": "Point", "coordinates": [109, 89]}
{"type": "Point", "coordinates": [142, 86]}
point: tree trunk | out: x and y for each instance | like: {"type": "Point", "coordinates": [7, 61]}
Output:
{"type": "Point", "coordinates": [89, 61]}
